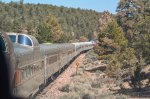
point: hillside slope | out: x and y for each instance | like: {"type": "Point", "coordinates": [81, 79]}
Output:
{"type": "Point", "coordinates": [19, 17]}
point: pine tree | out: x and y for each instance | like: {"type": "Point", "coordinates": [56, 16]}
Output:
{"type": "Point", "coordinates": [137, 77]}
{"type": "Point", "coordinates": [111, 36]}
{"type": "Point", "coordinates": [133, 17]}
{"type": "Point", "coordinates": [113, 46]}
{"type": "Point", "coordinates": [142, 40]}
{"type": "Point", "coordinates": [50, 30]}
{"type": "Point", "coordinates": [127, 16]}
{"type": "Point", "coordinates": [18, 16]}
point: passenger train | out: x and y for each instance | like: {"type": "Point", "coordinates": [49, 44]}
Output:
{"type": "Point", "coordinates": [32, 64]}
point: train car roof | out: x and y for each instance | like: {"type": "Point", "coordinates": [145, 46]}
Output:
{"type": "Point", "coordinates": [20, 49]}
{"type": "Point", "coordinates": [81, 43]}
{"type": "Point", "coordinates": [55, 48]}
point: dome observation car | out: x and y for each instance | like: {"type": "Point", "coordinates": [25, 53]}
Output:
{"type": "Point", "coordinates": [23, 39]}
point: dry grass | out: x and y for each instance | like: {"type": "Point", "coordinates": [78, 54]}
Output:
{"type": "Point", "coordinates": [70, 96]}
{"type": "Point", "coordinates": [91, 85]}
{"type": "Point", "coordinates": [64, 88]}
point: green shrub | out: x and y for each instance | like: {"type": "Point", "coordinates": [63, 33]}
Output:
{"type": "Point", "coordinates": [95, 84]}
{"type": "Point", "coordinates": [70, 96]}
{"type": "Point", "coordinates": [64, 88]}
{"type": "Point", "coordinates": [88, 96]}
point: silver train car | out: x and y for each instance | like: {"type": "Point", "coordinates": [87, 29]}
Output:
{"type": "Point", "coordinates": [36, 63]}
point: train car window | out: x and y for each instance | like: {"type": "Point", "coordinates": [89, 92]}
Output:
{"type": "Point", "coordinates": [22, 39]}
{"type": "Point", "coordinates": [38, 67]}
{"type": "Point", "coordinates": [52, 59]}
{"type": "Point", "coordinates": [32, 70]}
{"type": "Point", "coordinates": [35, 69]}
{"type": "Point", "coordinates": [2, 44]}
{"type": "Point", "coordinates": [28, 71]}
{"type": "Point", "coordinates": [22, 74]}
{"type": "Point", "coordinates": [13, 38]}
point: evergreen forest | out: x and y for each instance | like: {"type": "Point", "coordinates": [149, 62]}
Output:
{"type": "Point", "coordinates": [43, 20]}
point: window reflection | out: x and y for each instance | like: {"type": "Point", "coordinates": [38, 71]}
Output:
{"type": "Point", "coordinates": [22, 39]}
{"type": "Point", "coordinates": [13, 38]}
